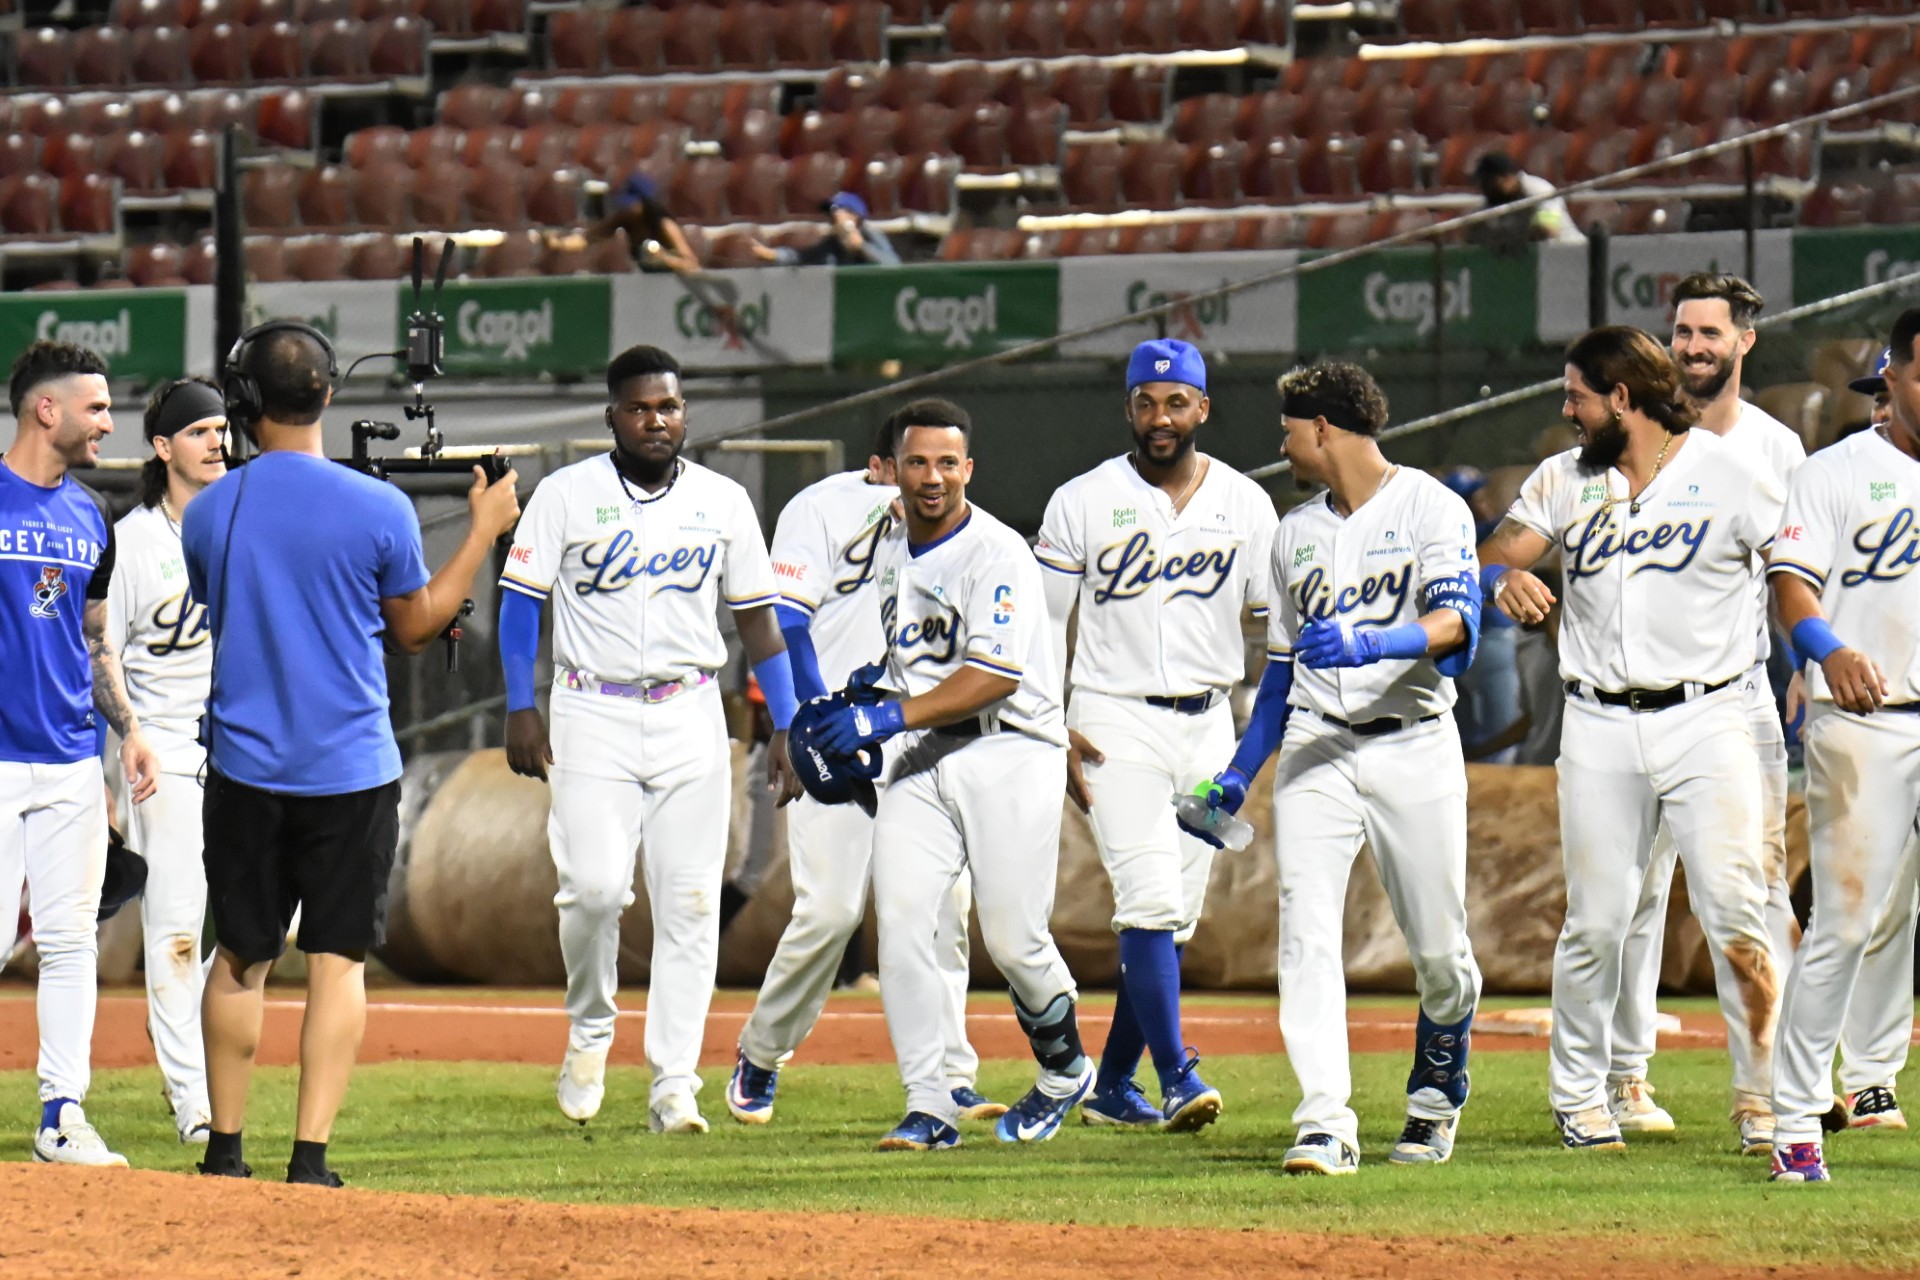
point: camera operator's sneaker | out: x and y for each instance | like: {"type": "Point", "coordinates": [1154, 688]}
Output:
{"type": "Point", "coordinates": [1875, 1108]}
{"type": "Point", "coordinates": [71, 1140]}
{"type": "Point", "coordinates": [1634, 1110]}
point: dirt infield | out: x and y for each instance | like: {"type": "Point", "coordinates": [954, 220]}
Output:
{"type": "Point", "coordinates": [136, 1223]}
{"type": "Point", "coordinates": [530, 1027]}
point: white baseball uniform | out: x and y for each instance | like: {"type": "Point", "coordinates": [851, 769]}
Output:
{"type": "Point", "coordinates": [1160, 594]}
{"type": "Point", "coordinates": [1370, 755]}
{"type": "Point", "coordinates": [639, 742]}
{"type": "Point", "coordinates": [161, 631]}
{"type": "Point", "coordinates": [823, 555]}
{"type": "Point", "coordinates": [1759, 435]}
{"type": "Point", "coordinates": [1658, 598]}
{"type": "Point", "coordinates": [983, 796]}
{"type": "Point", "coordinates": [1851, 532]}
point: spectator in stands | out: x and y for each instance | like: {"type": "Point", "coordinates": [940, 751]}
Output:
{"type": "Point", "coordinates": [849, 241]}
{"type": "Point", "coordinates": [658, 242]}
{"type": "Point", "coordinates": [1502, 181]}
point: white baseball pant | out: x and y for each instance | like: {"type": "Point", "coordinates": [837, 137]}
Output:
{"type": "Point", "coordinates": [166, 831]}
{"type": "Point", "coordinates": [830, 857]}
{"type": "Point", "coordinates": [1863, 812]}
{"type": "Point", "coordinates": [1879, 1028]}
{"type": "Point", "coordinates": [1159, 873]}
{"type": "Point", "coordinates": [989, 805]}
{"type": "Point", "coordinates": [1623, 773]}
{"type": "Point", "coordinates": [53, 839]}
{"type": "Point", "coordinates": [1404, 795]}
{"type": "Point", "coordinates": [655, 778]}
{"type": "Point", "coordinates": [1635, 1016]}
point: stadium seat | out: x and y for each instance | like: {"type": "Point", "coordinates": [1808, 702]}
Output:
{"type": "Point", "coordinates": [1595, 153]}
{"type": "Point", "coordinates": [697, 189]}
{"type": "Point", "coordinates": [1505, 106]}
{"type": "Point", "coordinates": [1207, 24]}
{"type": "Point", "coordinates": [325, 197]}
{"type": "Point", "coordinates": [1458, 157]}
{"type": "Point", "coordinates": [1082, 86]}
{"type": "Point", "coordinates": [285, 118]}
{"type": "Point", "coordinates": [1491, 19]}
{"type": "Point", "coordinates": [1652, 218]}
{"type": "Point", "coordinates": [858, 31]}
{"type": "Point", "coordinates": [1782, 96]}
{"type": "Point", "coordinates": [1876, 46]}
{"type": "Point", "coordinates": [314, 257]}
{"type": "Point", "coordinates": [907, 83]}
{"type": "Point", "coordinates": [1036, 28]}
{"type": "Point", "coordinates": [1035, 133]}
{"type": "Point", "coordinates": [377, 256]}
{"type": "Point", "coordinates": [1267, 115]}
{"type": "Point", "coordinates": [1390, 161]}
{"type": "Point", "coordinates": [439, 197]}
{"type": "Point", "coordinates": [19, 153]}
{"type": "Point", "coordinates": [267, 197]}
{"type": "Point", "coordinates": [692, 40]}
{"type": "Point", "coordinates": [978, 28]}
{"type": "Point", "coordinates": [69, 151]}
{"type": "Point", "coordinates": [1446, 109]}
{"type": "Point", "coordinates": [980, 136]}
{"type": "Point", "coordinates": [962, 85]}
{"type": "Point", "coordinates": [279, 52]}
{"type": "Point", "coordinates": [1331, 110]}
{"type": "Point", "coordinates": [435, 144]}
{"type": "Point", "coordinates": [744, 35]}
{"type": "Point", "coordinates": [1732, 10]}
{"type": "Point", "coordinates": [1550, 17]}
{"type": "Point", "coordinates": [849, 89]}
{"type": "Point", "coordinates": [876, 179]}
{"type": "Point", "coordinates": [807, 131]}
{"type": "Point", "coordinates": [1150, 237]}
{"type": "Point", "coordinates": [1432, 19]}
{"type": "Point", "coordinates": [87, 203]}
{"type": "Point", "coordinates": [381, 196]}
{"type": "Point", "coordinates": [1670, 13]}
{"type": "Point", "coordinates": [341, 50]}
{"type": "Point", "coordinates": [868, 131]}
{"type": "Point", "coordinates": [1268, 231]}
{"type": "Point", "coordinates": [1655, 142]}
{"type": "Point", "coordinates": [926, 126]}
{"type": "Point", "coordinates": [1647, 100]}
{"type": "Point", "coordinates": [1138, 94]}
{"type": "Point", "coordinates": [1583, 103]}
{"type": "Point", "coordinates": [1758, 57]}
{"type": "Point", "coordinates": [266, 262]}
{"type": "Point", "coordinates": [1338, 231]}
{"type": "Point", "coordinates": [1211, 172]}
{"type": "Point", "coordinates": [812, 180]}
{"type": "Point", "coordinates": [218, 53]}
{"type": "Point", "coordinates": [1149, 26]}
{"type": "Point", "coordinates": [1090, 178]}
{"type": "Point", "coordinates": [1900, 73]}
{"type": "Point", "coordinates": [474, 105]}
{"type": "Point", "coordinates": [982, 244]}
{"type": "Point", "coordinates": [754, 132]}
{"type": "Point", "coordinates": [1271, 172]}
{"type": "Point", "coordinates": [44, 57]}
{"type": "Point", "coordinates": [1837, 86]}
{"type": "Point", "coordinates": [1611, 15]}
{"type": "Point", "coordinates": [926, 182]}
{"type": "Point", "coordinates": [554, 197]}
{"type": "Point", "coordinates": [1727, 166]}
{"type": "Point", "coordinates": [575, 104]}
{"type": "Point", "coordinates": [1091, 26]}
{"type": "Point", "coordinates": [586, 39]}
{"type": "Point", "coordinates": [156, 265]}
{"type": "Point", "coordinates": [398, 46]}
{"type": "Point", "coordinates": [1710, 99]}
{"type": "Point", "coordinates": [1215, 235]}
{"type": "Point", "coordinates": [382, 144]}
{"type": "Point", "coordinates": [1542, 152]}
{"type": "Point", "coordinates": [28, 203]}
{"type": "Point", "coordinates": [498, 15]}
{"type": "Point", "coordinates": [497, 195]}
{"type": "Point", "coordinates": [158, 55]}
{"type": "Point", "coordinates": [1813, 50]}
{"type": "Point", "coordinates": [137, 158]}
{"type": "Point", "coordinates": [100, 56]}
{"type": "Point", "coordinates": [147, 13]}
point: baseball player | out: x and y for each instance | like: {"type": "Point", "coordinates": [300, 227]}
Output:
{"type": "Point", "coordinates": [161, 630]}
{"type": "Point", "coordinates": [1842, 577]}
{"type": "Point", "coordinates": [1712, 334]}
{"type": "Point", "coordinates": [1376, 607]}
{"type": "Point", "coordinates": [823, 555]}
{"type": "Point", "coordinates": [1659, 527]}
{"type": "Point", "coordinates": [56, 564]}
{"type": "Point", "coordinates": [642, 545]}
{"type": "Point", "coordinates": [1160, 549]}
{"type": "Point", "coordinates": [974, 783]}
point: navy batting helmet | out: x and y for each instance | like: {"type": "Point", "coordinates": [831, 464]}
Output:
{"type": "Point", "coordinates": [830, 778]}
{"type": "Point", "coordinates": [125, 878]}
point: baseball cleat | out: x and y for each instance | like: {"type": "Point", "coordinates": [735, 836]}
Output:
{"type": "Point", "coordinates": [1321, 1154]}
{"type": "Point", "coordinates": [73, 1141]}
{"type": "Point", "coordinates": [920, 1132]}
{"type": "Point", "coordinates": [1121, 1105]}
{"type": "Point", "coordinates": [1037, 1116]}
{"type": "Point", "coordinates": [974, 1105]}
{"type": "Point", "coordinates": [1191, 1104]}
{"type": "Point", "coordinates": [1874, 1108]}
{"type": "Point", "coordinates": [1634, 1110]}
{"type": "Point", "coordinates": [1799, 1162]}
{"type": "Point", "coordinates": [1756, 1132]}
{"type": "Point", "coordinates": [676, 1113]}
{"type": "Point", "coordinates": [1424, 1141]}
{"type": "Point", "coordinates": [750, 1091]}
{"type": "Point", "coordinates": [1594, 1129]}
{"type": "Point", "coordinates": [582, 1084]}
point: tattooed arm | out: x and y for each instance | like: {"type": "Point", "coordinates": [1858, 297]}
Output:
{"type": "Point", "coordinates": [1505, 559]}
{"type": "Point", "coordinates": [137, 757]}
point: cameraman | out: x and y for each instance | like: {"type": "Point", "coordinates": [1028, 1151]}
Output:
{"type": "Point", "coordinates": [303, 564]}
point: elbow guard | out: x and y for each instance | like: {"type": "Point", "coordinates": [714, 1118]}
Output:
{"type": "Point", "coordinates": [1461, 593]}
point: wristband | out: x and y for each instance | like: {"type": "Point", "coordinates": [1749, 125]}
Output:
{"type": "Point", "coordinates": [1814, 640]}
{"type": "Point", "coordinates": [1490, 576]}
{"type": "Point", "coordinates": [1408, 640]}
{"type": "Point", "coordinates": [775, 675]}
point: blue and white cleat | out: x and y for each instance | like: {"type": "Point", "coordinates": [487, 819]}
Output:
{"type": "Point", "coordinates": [1799, 1162]}
{"type": "Point", "coordinates": [1321, 1154]}
{"type": "Point", "coordinates": [1037, 1116]}
{"type": "Point", "coordinates": [1122, 1106]}
{"type": "Point", "coordinates": [750, 1092]}
{"type": "Point", "coordinates": [1191, 1104]}
{"type": "Point", "coordinates": [920, 1132]}
{"type": "Point", "coordinates": [1594, 1129]}
{"type": "Point", "coordinates": [975, 1105]}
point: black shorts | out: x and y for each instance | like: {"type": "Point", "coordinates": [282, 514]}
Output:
{"type": "Point", "coordinates": [267, 853]}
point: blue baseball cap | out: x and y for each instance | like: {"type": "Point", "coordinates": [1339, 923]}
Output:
{"type": "Point", "coordinates": [638, 187]}
{"type": "Point", "coordinates": [1876, 385]}
{"type": "Point", "coordinates": [1167, 360]}
{"type": "Point", "coordinates": [850, 202]}
{"type": "Point", "coordinates": [1464, 481]}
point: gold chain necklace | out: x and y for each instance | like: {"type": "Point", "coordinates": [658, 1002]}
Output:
{"type": "Point", "coordinates": [1633, 507]}
{"type": "Point", "coordinates": [1198, 470]}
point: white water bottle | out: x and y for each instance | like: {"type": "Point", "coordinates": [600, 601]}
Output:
{"type": "Point", "coordinates": [1228, 828]}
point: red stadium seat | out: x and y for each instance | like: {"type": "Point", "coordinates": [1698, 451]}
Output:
{"type": "Point", "coordinates": [19, 153]}
{"type": "Point", "coordinates": [1215, 235]}
{"type": "Point", "coordinates": [1263, 21]}
{"type": "Point", "coordinates": [1542, 153]}
{"type": "Point", "coordinates": [982, 244]}
{"type": "Point", "coordinates": [398, 46]}
{"type": "Point", "coordinates": [1091, 26]}
{"type": "Point", "coordinates": [869, 131]}
{"type": "Point", "coordinates": [1491, 19]}
{"type": "Point", "coordinates": [554, 198]}
{"type": "Point", "coordinates": [156, 265]}
{"type": "Point", "coordinates": [1459, 155]}
{"type": "Point", "coordinates": [751, 133]}
{"type": "Point", "coordinates": [1271, 173]}
{"type": "Point", "coordinates": [1646, 100]}
{"type": "Point", "coordinates": [69, 152]}
{"type": "Point", "coordinates": [435, 144]}
{"type": "Point", "coordinates": [87, 203]}
{"type": "Point", "coordinates": [323, 11]}
{"type": "Point", "coordinates": [1652, 217]}
{"type": "Point", "coordinates": [1150, 26]}
{"type": "Point", "coordinates": [1035, 133]}
{"type": "Point", "coordinates": [1267, 115]}
{"type": "Point", "coordinates": [137, 158]}
{"type": "Point", "coordinates": [1150, 173]}
{"type": "Point", "coordinates": [756, 188]}
{"type": "Point", "coordinates": [1758, 57]}
{"type": "Point", "coordinates": [279, 52]}
{"type": "Point", "coordinates": [1877, 46]}
{"type": "Point", "coordinates": [1446, 109]}
{"type": "Point", "coordinates": [802, 34]}
{"type": "Point", "coordinates": [1330, 167]}
{"type": "Point", "coordinates": [1268, 231]}
{"type": "Point", "coordinates": [376, 256]}
{"type": "Point", "coordinates": [267, 197]}
{"type": "Point", "coordinates": [849, 89]}
{"type": "Point", "coordinates": [1211, 172]}
{"type": "Point", "coordinates": [876, 179]}
{"type": "Point", "coordinates": [692, 41]}
{"type": "Point", "coordinates": [100, 56]}
{"type": "Point", "coordinates": [1595, 153]}
{"type": "Point", "coordinates": [1390, 162]}
{"type": "Point", "coordinates": [1331, 110]}
{"type": "Point", "coordinates": [927, 126]}
{"type": "Point", "coordinates": [1339, 231]}
{"type": "Point", "coordinates": [1091, 176]}
{"type": "Point", "coordinates": [1082, 86]}
{"type": "Point", "coordinates": [1036, 28]}
{"type": "Point", "coordinates": [1151, 237]}
{"type": "Point", "coordinates": [980, 136]}
{"type": "Point", "coordinates": [1670, 13]}
{"type": "Point", "coordinates": [381, 197]}
{"type": "Point", "coordinates": [1386, 107]}
{"type": "Point", "coordinates": [382, 144]}
{"type": "Point", "coordinates": [44, 56]}
{"type": "Point", "coordinates": [1088, 242]}
{"type": "Point", "coordinates": [1781, 97]}
{"type": "Point", "coordinates": [499, 15]}
{"type": "Point", "coordinates": [1550, 17]}
{"type": "Point", "coordinates": [29, 203]}
{"type": "Point", "coordinates": [440, 195]}
{"type": "Point", "coordinates": [341, 50]}
{"type": "Point", "coordinates": [1837, 86]}
{"type": "Point", "coordinates": [219, 53]}
{"type": "Point", "coordinates": [1432, 19]}
{"type": "Point", "coordinates": [1709, 100]}
{"type": "Point", "coordinates": [266, 262]}
{"type": "Point", "coordinates": [744, 35]}
{"type": "Point", "coordinates": [698, 189]}
{"type": "Point", "coordinates": [474, 105]}
{"type": "Point", "coordinates": [907, 83]}
{"type": "Point", "coordinates": [320, 257]}
{"type": "Point", "coordinates": [813, 180]}
{"type": "Point", "coordinates": [1813, 50]}
{"type": "Point", "coordinates": [147, 13]}
{"type": "Point", "coordinates": [1138, 95]}
{"type": "Point", "coordinates": [808, 131]}
{"type": "Point", "coordinates": [446, 17]}
{"type": "Point", "coordinates": [198, 260]}
{"type": "Point", "coordinates": [1583, 103]}
{"type": "Point", "coordinates": [1506, 106]}
{"type": "Point", "coordinates": [1659, 142]}
{"type": "Point", "coordinates": [585, 39]}
{"type": "Point", "coordinates": [1207, 24]}
{"type": "Point", "coordinates": [326, 197]}
{"type": "Point", "coordinates": [926, 182]}
{"type": "Point", "coordinates": [978, 28]}
{"type": "Point", "coordinates": [858, 31]}
{"type": "Point", "coordinates": [158, 55]}
{"type": "Point", "coordinates": [497, 197]}
{"type": "Point", "coordinates": [1610, 15]}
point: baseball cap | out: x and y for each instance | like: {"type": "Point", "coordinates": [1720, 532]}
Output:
{"type": "Point", "coordinates": [1876, 384]}
{"type": "Point", "coordinates": [1166, 360]}
{"type": "Point", "coordinates": [850, 202]}
{"type": "Point", "coordinates": [637, 187]}
{"type": "Point", "coordinates": [1464, 481]}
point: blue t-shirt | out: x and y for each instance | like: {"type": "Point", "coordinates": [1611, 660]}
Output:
{"type": "Point", "coordinates": [299, 702]}
{"type": "Point", "coordinates": [56, 553]}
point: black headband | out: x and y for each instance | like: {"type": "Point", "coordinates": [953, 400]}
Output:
{"type": "Point", "coordinates": [186, 404]}
{"type": "Point", "coordinates": [1304, 404]}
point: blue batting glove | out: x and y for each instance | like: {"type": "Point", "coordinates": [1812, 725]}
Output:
{"type": "Point", "coordinates": [1206, 837]}
{"type": "Point", "coordinates": [1228, 790]}
{"type": "Point", "coordinates": [1336, 644]}
{"type": "Point", "coordinates": [863, 684]}
{"type": "Point", "coordinates": [846, 729]}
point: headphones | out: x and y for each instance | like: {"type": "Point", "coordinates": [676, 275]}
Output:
{"type": "Point", "coordinates": [237, 387]}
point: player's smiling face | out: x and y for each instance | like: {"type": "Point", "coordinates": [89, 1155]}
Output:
{"type": "Point", "coordinates": [1164, 416]}
{"type": "Point", "coordinates": [649, 421]}
{"type": "Point", "coordinates": [197, 452]}
{"type": "Point", "coordinates": [1707, 346]}
{"type": "Point", "coordinates": [933, 470]}
{"type": "Point", "coordinates": [1602, 437]}
{"type": "Point", "coordinates": [80, 412]}
{"type": "Point", "coordinates": [1302, 448]}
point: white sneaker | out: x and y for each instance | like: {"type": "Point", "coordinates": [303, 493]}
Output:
{"type": "Point", "coordinates": [582, 1084]}
{"type": "Point", "coordinates": [1756, 1132]}
{"type": "Point", "coordinates": [194, 1126]}
{"type": "Point", "coordinates": [1634, 1110]}
{"type": "Point", "coordinates": [1594, 1129]}
{"type": "Point", "coordinates": [1321, 1154]}
{"type": "Point", "coordinates": [74, 1141]}
{"type": "Point", "coordinates": [676, 1113]}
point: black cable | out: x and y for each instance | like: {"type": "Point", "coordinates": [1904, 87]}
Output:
{"type": "Point", "coordinates": [372, 355]}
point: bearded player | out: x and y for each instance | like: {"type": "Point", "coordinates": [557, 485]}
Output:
{"type": "Point", "coordinates": [1159, 549]}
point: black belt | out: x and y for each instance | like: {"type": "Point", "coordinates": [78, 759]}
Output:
{"type": "Point", "coordinates": [1900, 706]}
{"type": "Point", "coordinates": [1190, 705]}
{"type": "Point", "coordinates": [969, 728]}
{"type": "Point", "coordinates": [1374, 728]}
{"type": "Point", "coordinates": [1646, 699]}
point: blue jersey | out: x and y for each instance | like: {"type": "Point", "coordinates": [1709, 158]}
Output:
{"type": "Point", "coordinates": [292, 555]}
{"type": "Point", "coordinates": [56, 554]}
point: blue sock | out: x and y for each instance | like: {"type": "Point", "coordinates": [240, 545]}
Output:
{"type": "Point", "coordinates": [50, 1112]}
{"type": "Point", "coordinates": [1440, 1058]}
{"type": "Point", "coordinates": [1121, 1056]}
{"type": "Point", "coordinates": [1150, 964]}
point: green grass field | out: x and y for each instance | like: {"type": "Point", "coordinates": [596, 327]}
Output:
{"type": "Point", "coordinates": [492, 1130]}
